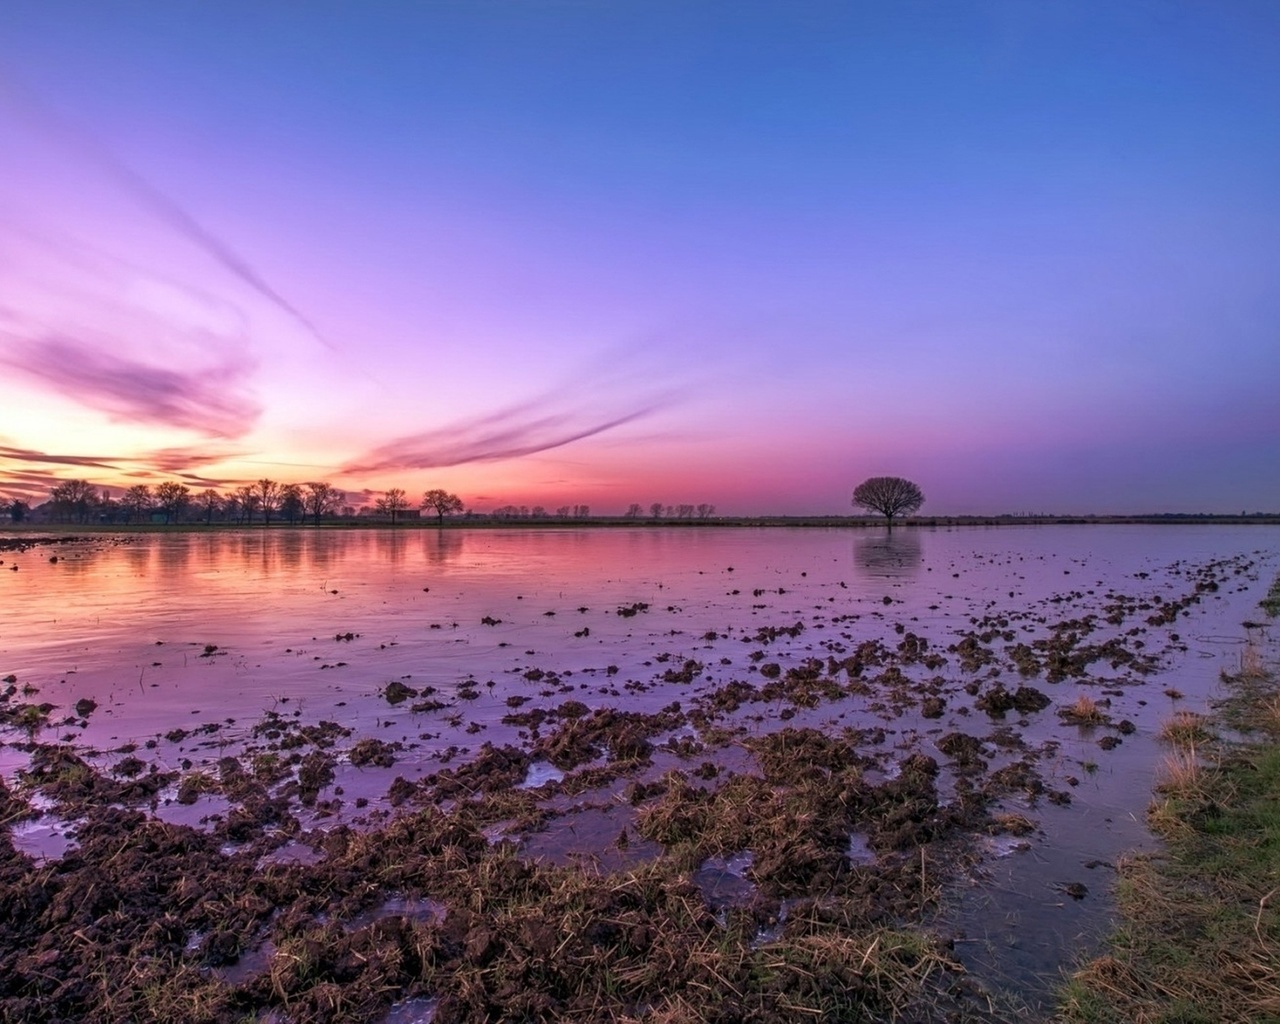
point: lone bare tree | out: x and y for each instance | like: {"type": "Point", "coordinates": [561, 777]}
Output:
{"type": "Point", "coordinates": [889, 495]}
{"type": "Point", "coordinates": [392, 504]}
{"type": "Point", "coordinates": [444, 504]}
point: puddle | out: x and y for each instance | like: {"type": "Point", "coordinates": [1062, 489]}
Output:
{"type": "Point", "coordinates": [412, 1011]}
{"type": "Point", "coordinates": [252, 962]}
{"type": "Point", "coordinates": [291, 853]}
{"type": "Point", "coordinates": [860, 851]}
{"type": "Point", "coordinates": [45, 839]}
{"type": "Point", "coordinates": [1005, 846]}
{"type": "Point", "coordinates": [420, 910]}
{"type": "Point", "coordinates": [540, 773]}
{"type": "Point", "coordinates": [724, 881]}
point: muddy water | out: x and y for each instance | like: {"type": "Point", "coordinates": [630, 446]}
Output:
{"type": "Point", "coordinates": [184, 642]}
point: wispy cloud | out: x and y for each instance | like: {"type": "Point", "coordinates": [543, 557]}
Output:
{"type": "Point", "coordinates": [539, 425]}
{"type": "Point", "coordinates": [208, 400]}
{"type": "Point", "coordinates": [185, 459]}
{"type": "Point", "coordinates": [86, 149]}
{"type": "Point", "coordinates": [165, 463]}
{"type": "Point", "coordinates": [45, 458]}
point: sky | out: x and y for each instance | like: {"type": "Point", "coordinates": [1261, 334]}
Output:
{"type": "Point", "coordinates": [610, 251]}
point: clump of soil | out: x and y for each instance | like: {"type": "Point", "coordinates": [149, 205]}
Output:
{"type": "Point", "coordinates": [373, 752]}
{"type": "Point", "coordinates": [397, 692]}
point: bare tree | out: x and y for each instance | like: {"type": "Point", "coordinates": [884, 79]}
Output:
{"type": "Point", "coordinates": [172, 499]}
{"type": "Point", "coordinates": [655, 510]}
{"type": "Point", "coordinates": [268, 492]}
{"type": "Point", "coordinates": [392, 503]}
{"type": "Point", "coordinates": [291, 506]}
{"type": "Point", "coordinates": [136, 501]}
{"type": "Point", "coordinates": [211, 501]}
{"type": "Point", "coordinates": [248, 498]}
{"type": "Point", "coordinates": [563, 511]}
{"type": "Point", "coordinates": [443, 503]}
{"type": "Point", "coordinates": [633, 510]}
{"type": "Point", "coordinates": [889, 495]}
{"type": "Point", "coordinates": [581, 511]}
{"type": "Point", "coordinates": [684, 511]}
{"type": "Point", "coordinates": [74, 498]}
{"type": "Point", "coordinates": [706, 511]}
{"type": "Point", "coordinates": [321, 499]}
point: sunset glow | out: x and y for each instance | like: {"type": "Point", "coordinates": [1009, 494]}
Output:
{"type": "Point", "coordinates": [748, 254]}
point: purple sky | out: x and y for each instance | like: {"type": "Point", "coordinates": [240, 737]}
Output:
{"type": "Point", "coordinates": [1023, 253]}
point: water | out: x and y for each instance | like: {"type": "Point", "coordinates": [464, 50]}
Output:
{"type": "Point", "coordinates": [184, 641]}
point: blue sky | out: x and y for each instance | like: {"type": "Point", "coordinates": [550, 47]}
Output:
{"type": "Point", "coordinates": [556, 252]}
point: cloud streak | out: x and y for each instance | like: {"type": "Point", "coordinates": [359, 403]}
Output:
{"type": "Point", "coordinates": [88, 150]}
{"type": "Point", "coordinates": [205, 400]}
{"type": "Point", "coordinates": [527, 428]}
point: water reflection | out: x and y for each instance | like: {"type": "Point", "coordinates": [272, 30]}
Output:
{"type": "Point", "coordinates": [172, 560]}
{"type": "Point", "coordinates": [891, 553]}
{"type": "Point", "coordinates": [391, 545]}
{"type": "Point", "coordinates": [442, 546]}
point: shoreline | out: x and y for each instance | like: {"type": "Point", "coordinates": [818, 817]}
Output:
{"type": "Point", "coordinates": [858, 523]}
{"type": "Point", "coordinates": [1198, 931]}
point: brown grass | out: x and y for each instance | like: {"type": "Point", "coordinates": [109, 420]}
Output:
{"type": "Point", "coordinates": [1185, 728]}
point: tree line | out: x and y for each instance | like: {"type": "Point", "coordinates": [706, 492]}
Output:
{"type": "Point", "coordinates": [266, 500]}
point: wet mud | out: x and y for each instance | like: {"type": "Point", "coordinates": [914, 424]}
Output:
{"type": "Point", "coordinates": [748, 822]}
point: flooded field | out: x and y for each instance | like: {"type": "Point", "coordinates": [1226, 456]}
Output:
{"type": "Point", "coordinates": [417, 774]}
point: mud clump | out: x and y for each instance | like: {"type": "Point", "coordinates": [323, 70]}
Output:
{"type": "Point", "coordinates": [933, 707]}
{"type": "Point", "coordinates": [494, 769]}
{"type": "Point", "coordinates": [965, 750]}
{"type": "Point", "coordinates": [397, 692]}
{"type": "Point", "coordinates": [997, 700]}
{"type": "Point", "coordinates": [625, 735]}
{"type": "Point", "coordinates": [373, 752]}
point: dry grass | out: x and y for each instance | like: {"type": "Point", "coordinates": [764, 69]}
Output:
{"type": "Point", "coordinates": [1085, 711]}
{"type": "Point", "coordinates": [1199, 940]}
{"type": "Point", "coordinates": [1185, 728]}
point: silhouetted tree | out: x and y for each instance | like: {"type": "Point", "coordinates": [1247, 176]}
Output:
{"type": "Point", "coordinates": [291, 507]}
{"type": "Point", "coordinates": [563, 511]}
{"type": "Point", "coordinates": [74, 498]}
{"type": "Point", "coordinates": [211, 501]}
{"type": "Point", "coordinates": [581, 511]}
{"type": "Point", "coordinates": [889, 495]}
{"type": "Point", "coordinates": [443, 503]}
{"type": "Point", "coordinates": [392, 503]}
{"type": "Point", "coordinates": [655, 510]}
{"type": "Point", "coordinates": [136, 501]}
{"type": "Point", "coordinates": [172, 499]}
{"type": "Point", "coordinates": [247, 496]}
{"type": "Point", "coordinates": [18, 510]}
{"type": "Point", "coordinates": [321, 499]}
{"type": "Point", "coordinates": [268, 492]}
{"type": "Point", "coordinates": [706, 511]}
{"type": "Point", "coordinates": [633, 510]}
